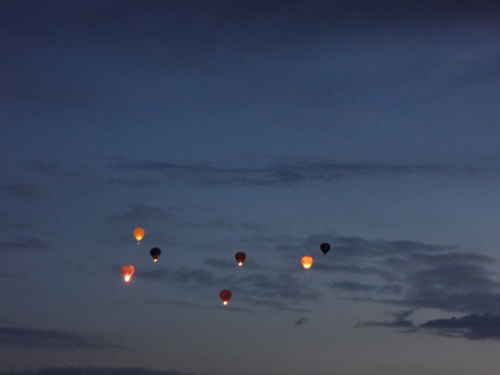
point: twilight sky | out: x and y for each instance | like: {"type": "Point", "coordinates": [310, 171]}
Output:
{"type": "Point", "coordinates": [266, 127]}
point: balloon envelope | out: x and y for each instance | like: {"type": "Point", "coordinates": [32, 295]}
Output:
{"type": "Point", "coordinates": [240, 257]}
{"type": "Point", "coordinates": [307, 262]}
{"type": "Point", "coordinates": [225, 295]}
{"type": "Point", "coordinates": [139, 233]}
{"type": "Point", "coordinates": [155, 253]}
{"type": "Point", "coordinates": [325, 247]}
{"type": "Point", "coordinates": [127, 272]}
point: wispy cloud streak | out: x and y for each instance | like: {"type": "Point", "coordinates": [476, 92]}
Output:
{"type": "Point", "coordinates": [24, 244]}
{"type": "Point", "coordinates": [303, 171]}
{"type": "Point", "coordinates": [41, 338]}
{"type": "Point", "coordinates": [472, 326]}
{"type": "Point", "coordinates": [94, 371]}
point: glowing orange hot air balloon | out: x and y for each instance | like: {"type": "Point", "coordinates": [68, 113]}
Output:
{"type": "Point", "coordinates": [139, 234]}
{"type": "Point", "coordinates": [240, 257]}
{"type": "Point", "coordinates": [307, 262]}
{"type": "Point", "coordinates": [127, 272]}
{"type": "Point", "coordinates": [225, 296]}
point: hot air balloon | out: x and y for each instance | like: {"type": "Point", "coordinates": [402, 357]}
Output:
{"type": "Point", "coordinates": [307, 262]}
{"type": "Point", "coordinates": [240, 257]}
{"type": "Point", "coordinates": [225, 296]}
{"type": "Point", "coordinates": [127, 272]}
{"type": "Point", "coordinates": [325, 247]}
{"type": "Point", "coordinates": [155, 253]}
{"type": "Point", "coordinates": [139, 234]}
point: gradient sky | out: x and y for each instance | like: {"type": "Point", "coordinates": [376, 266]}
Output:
{"type": "Point", "coordinates": [267, 127]}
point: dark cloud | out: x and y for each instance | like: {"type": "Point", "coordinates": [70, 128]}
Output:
{"type": "Point", "coordinates": [301, 321]}
{"type": "Point", "coordinates": [199, 306]}
{"type": "Point", "coordinates": [408, 273]}
{"type": "Point", "coordinates": [352, 286]}
{"type": "Point", "coordinates": [399, 321]}
{"type": "Point", "coordinates": [354, 247]}
{"type": "Point", "coordinates": [274, 289]}
{"type": "Point", "coordinates": [412, 274]}
{"type": "Point", "coordinates": [455, 284]}
{"type": "Point", "coordinates": [438, 277]}
{"type": "Point", "coordinates": [294, 244]}
{"type": "Point", "coordinates": [221, 264]}
{"type": "Point", "coordinates": [354, 270]}
{"type": "Point", "coordinates": [452, 258]}
{"type": "Point", "coordinates": [473, 326]}
{"type": "Point", "coordinates": [390, 261]}
{"type": "Point", "coordinates": [279, 306]}
{"type": "Point", "coordinates": [304, 171]}
{"type": "Point", "coordinates": [189, 277]}
{"type": "Point", "coordinates": [40, 338]}
{"type": "Point", "coordinates": [452, 301]}
{"type": "Point", "coordinates": [280, 286]}
{"type": "Point", "coordinates": [24, 244]}
{"type": "Point", "coordinates": [454, 277]}
{"type": "Point", "coordinates": [94, 371]}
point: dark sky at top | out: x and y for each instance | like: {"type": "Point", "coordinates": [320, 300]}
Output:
{"type": "Point", "coordinates": [266, 127]}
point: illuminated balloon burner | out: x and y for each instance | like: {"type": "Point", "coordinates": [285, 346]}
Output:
{"type": "Point", "coordinates": [225, 295]}
{"type": "Point", "coordinates": [127, 272]}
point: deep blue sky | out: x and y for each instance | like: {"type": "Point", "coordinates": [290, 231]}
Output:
{"type": "Point", "coordinates": [267, 127]}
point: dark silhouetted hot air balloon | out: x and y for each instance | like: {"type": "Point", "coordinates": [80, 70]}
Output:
{"type": "Point", "coordinates": [139, 234]}
{"type": "Point", "coordinates": [325, 247]}
{"type": "Point", "coordinates": [127, 272]}
{"type": "Point", "coordinates": [240, 257]}
{"type": "Point", "coordinates": [225, 296]}
{"type": "Point", "coordinates": [307, 262]}
{"type": "Point", "coordinates": [155, 253]}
